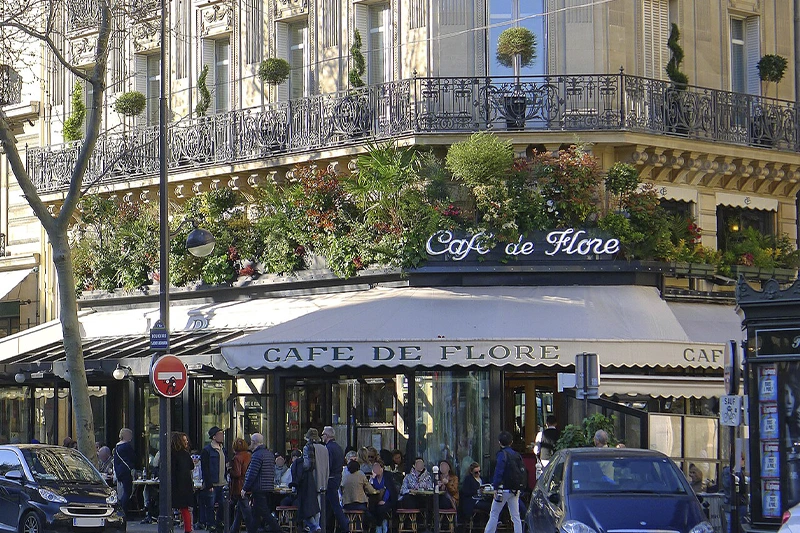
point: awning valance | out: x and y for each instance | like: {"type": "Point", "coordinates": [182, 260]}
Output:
{"type": "Point", "coordinates": [626, 326]}
{"type": "Point", "coordinates": [661, 386]}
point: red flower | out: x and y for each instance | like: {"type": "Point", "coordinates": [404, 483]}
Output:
{"type": "Point", "coordinates": [300, 251]}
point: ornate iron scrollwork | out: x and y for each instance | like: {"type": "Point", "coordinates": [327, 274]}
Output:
{"type": "Point", "coordinates": [10, 86]}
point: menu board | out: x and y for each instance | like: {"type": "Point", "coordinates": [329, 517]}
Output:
{"type": "Point", "coordinates": [769, 435]}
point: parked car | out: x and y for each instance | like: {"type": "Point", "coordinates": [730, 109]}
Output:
{"type": "Point", "coordinates": [606, 490]}
{"type": "Point", "coordinates": [791, 520]}
{"type": "Point", "coordinates": [52, 489]}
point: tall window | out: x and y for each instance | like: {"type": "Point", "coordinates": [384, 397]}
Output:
{"type": "Point", "coordinates": [732, 221]}
{"type": "Point", "coordinates": [182, 39]}
{"type": "Point", "coordinates": [504, 14]}
{"type": "Point", "coordinates": [254, 20]}
{"type": "Point", "coordinates": [745, 54]}
{"type": "Point", "coordinates": [656, 28]}
{"type": "Point", "coordinates": [152, 85]}
{"type": "Point", "coordinates": [380, 53]}
{"type": "Point", "coordinates": [331, 22]}
{"type": "Point", "coordinates": [222, 75]}
{"type": "Point", "coordinates": [298, 54]}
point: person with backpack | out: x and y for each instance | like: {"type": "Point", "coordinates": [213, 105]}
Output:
{"type": "Point", "coordinates": [510, 478]}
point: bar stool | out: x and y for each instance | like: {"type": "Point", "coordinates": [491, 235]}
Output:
{"type": "Point", "coordinates": [447, 520]}
{"type": "Point", "coordinates": [407, 520]}
{"type": "Point", "coordinates": [287, 515]}
{"type": "Point", "coordinates": [356, 518]}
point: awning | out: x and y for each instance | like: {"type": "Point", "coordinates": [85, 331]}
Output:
{"type": "Point", "coordinates": [627, 326]}
{"type": "Point", "coordinates": [663, 386]}
{"type": "Point", "coordinates": [10, 279]}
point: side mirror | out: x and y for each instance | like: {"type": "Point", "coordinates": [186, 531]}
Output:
{"type": "Point", "coordinates": [15, 475]}
{"type": "Point", "coordinates": [555, 498]}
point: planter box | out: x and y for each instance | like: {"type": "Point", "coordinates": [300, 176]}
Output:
{"type": "Point", "coordinates": [694, 270]}
{"type": "Point", "coordinates": [764, 274]}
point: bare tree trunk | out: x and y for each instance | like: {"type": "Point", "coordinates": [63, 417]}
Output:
{"type": "Point", "coordinates": [70, 326]}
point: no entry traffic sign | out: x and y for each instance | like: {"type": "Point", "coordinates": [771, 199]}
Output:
{"type": "Point", "coordinates": [168, 376]}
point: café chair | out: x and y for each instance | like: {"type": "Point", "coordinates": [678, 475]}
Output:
{"type": "Point", "coordinates": [407, 520]}
{"type": "Point", "coordinates": [287, 515]}
{"type": "Point", "coordinates": [356, 518]}
{"type": "Point", "coordinates": [477, 522]}
{"type": "Point", "coordinates": [447, 520]}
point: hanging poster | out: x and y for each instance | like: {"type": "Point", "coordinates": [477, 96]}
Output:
{"type": "Point", "coordinates": [767, 383]}
{"type": "Point", "coordinates": [769, 421]}
{"type": "Point", "coordinates": [771, 498]}
{"type": "Point", "coordinates": [789, 390]}
{"type": "Point", "coordinates": [770, 453]}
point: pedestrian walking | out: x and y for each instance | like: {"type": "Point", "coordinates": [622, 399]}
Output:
{"type": "Point", "coordinates": [239, 464]}
{"type": "Point", "coordinates": [259, 481]}
{"type": "Point", "coordinates": [124, 464]}
{"type": "Point", "coordinates": [504, 481]}
{"type": "Point", "coordinates": [212, 464]}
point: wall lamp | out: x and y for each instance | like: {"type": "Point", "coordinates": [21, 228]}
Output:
{"type": "Point", "coordinates": [20, 377]}
{"type": "Point", "coordinates": [121, 372]}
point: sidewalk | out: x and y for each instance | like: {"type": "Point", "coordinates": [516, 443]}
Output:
{"type": "Point", "coordinates": [134, 526]}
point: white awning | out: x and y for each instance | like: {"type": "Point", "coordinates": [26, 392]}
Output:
{"type": "Point", "coordinates": [714, 323]}
{"type": "Point", "coordinates": [663, 386]}
{"type": "Point", "coordinates": [626, 326]}
{"type": "Point", "coordinates": [10, 279]}
{"type": "Point", "coordinates": [747, 201]}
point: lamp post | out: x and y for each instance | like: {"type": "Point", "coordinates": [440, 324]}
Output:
{"type": "Point", "coordinates": [200, 243]}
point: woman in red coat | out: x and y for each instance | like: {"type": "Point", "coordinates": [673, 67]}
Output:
{"type": "Point", "coordinates": [182, 484]}
{"type": "Point", "coordinates": [239, 466]}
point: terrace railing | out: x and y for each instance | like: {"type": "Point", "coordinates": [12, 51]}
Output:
{"type": "Point", "coordinates": [431, 105]}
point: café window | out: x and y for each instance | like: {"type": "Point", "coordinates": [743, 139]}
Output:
{"type": "Point", "coordinates": [452, 416]}
{"type": "Point", "coordinates": [733, 222]}
{"type": "Point", "coordinates": [14, 409]}
{"type": "Point", "coordinates": [214, 394]}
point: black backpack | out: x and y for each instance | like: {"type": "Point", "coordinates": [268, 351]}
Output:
{"type": "Point", "coordinates": [515, 475]}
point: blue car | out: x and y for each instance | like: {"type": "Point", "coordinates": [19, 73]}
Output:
{"type": "Point", "coordinates": [611, 490]}
{"type": "Point", "coordinates": [54, 489]}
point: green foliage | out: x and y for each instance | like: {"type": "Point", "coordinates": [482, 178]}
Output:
{"type": "Point", "coordinates": [573, 436]}
{"type": "Point", "coordinates": [515, 41]}
{"type": "Point", "coordinates": [204, 100]}
{"type": "Point", "coordinates": [622, 179]}
{"type": "Point", "coordinates": [749, 247]}
{"type": "Point", "coordinates": [130, 104]}
{"type": "Point", "coordinates": [674, 65]}
{"type": "Point", "coordinates": [772, 67]}
{"type": "Point", "coordinates": [274, 70]}
{"type": "Point", "coordinates": [73, 126]}
{"type": "Point", "coordinates": [481, 158]}
{"type": "Point", "coordinates": [356, 74]}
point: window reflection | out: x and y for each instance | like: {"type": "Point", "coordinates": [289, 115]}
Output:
{"type": "Point", "coordinates": [504, 14]}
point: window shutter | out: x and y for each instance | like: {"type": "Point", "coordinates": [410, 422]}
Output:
{"type": "Point", "coordinates": [362, 25]}
{"type": "Point", "coordinates": [656, 28]}
{"type": "Point", "coordinates": [752, 42]}
{"type": "Point", "coordinates": [282, 51]}
{"type": "Point", "coordinates": [141, 85]}
{"type": "Point", "coordinates": [208, 61]}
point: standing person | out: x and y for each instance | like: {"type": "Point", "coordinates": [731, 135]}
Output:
{"type": "Point", "coordinates": [503, 496]}
{"type": "Point", "coordinates": [316, 471]}
{"type": "Point", "coordinates": [212, 464]}
{"type": "Point", "coordinates": [182, 484]}
{"type": "Point", "coordinates": [239, 464]}
{"type": "Point", "coordinates": [383, 506]}
{"type": "Point", "coordinates": [600, 439]}
{"type": "Point", "coordinates": [546, 440]}
{"type": "Point", "coordinates": [259, 480]}
{"type": "Point", "coordinates": [124, 464]}
{"type": "Point", "coordinates": [335, 463]}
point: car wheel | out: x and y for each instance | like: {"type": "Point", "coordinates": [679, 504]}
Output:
{"type": "Point", "coordinates": [31, 523]}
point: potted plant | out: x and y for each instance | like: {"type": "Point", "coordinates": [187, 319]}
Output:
{"type": "Point", "coordinates": [204, 98]}
{"type": "Point", "coordinates": [765, 125]}
{"type": "Point", "coordinates": [355, 76]}
{"type": "Point", "coordinates": [676, 118]}
{"type": "Point", "coordinates": [516, 48]}
{"type": "Point", "coordinates": [130, 104]}
{"type": "Point", "coordinates": [73, 126]}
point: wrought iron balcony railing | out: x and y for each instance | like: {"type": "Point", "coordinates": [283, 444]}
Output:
{"type": "Point", "coordinates": [432, 105]}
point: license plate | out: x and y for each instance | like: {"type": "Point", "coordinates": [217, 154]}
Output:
{"type": "Point", "coordinates": [88, 522]}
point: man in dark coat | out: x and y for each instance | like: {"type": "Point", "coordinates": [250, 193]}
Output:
{"type": "Point", "coordinates": [124, 464]}
{"type": "Point", "coordinates": [212, 464]}
{"type": "Point", "coordinates": [335, 463]}
{"type": "Point", "coordinates": [260, 482]}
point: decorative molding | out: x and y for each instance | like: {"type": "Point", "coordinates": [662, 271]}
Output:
{"type": "Point", "coordinates": [83, 50]}
{"type": "Point", "coordinates": [146, 36]}
{"type": "Point", "coordinates": [772, 292]}
{"type": "Point", "coordinates": [290, 8]}
{"type": "Point", "coordinates": [749, 6]}
{"type": "Point", "coordinates": [216, 19]}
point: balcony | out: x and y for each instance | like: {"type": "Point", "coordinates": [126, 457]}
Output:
{"type": "Point", "coordinates": [421, 106]}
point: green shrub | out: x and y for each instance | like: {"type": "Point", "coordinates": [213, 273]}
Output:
{"type": "Point", "coordinates": [356, 74]}
{"type": "Point", "coordinates": [480, 158]}
{"type": "Point", "coordinates": [73, 126]}
{"type": "Point", "coordinates": [130, 104]}
{"type": "Point", "coordinates": [274, 70]}
{"type": "Point", "coordinates": [204, 101]}
{"type": "Point", "coordinates": [772, 67]}
{"type": "Point", "coordinates": [674, 65]}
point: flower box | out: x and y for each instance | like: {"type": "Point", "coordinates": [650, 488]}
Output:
{"type": "Point", "coordinates": [693, 270]}
{"type": "Point", "coordinates": [764, 273]}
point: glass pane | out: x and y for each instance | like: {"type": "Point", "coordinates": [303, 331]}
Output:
{"type": "Point", "coordinates": [666, 434]}
{"type": "Point", "coordinates": [297, 40]}
{"type": "Point", "coordinates": [737, 29]}
{"type": "Point", "coordinates": [222, 74]}
{"type": "Point", "coordinates": [14, 414]}
{"type": "Point", "coordinates": [214, 394]}
{"type": "Point", "coordinates": [738, 68]}
{"type": "Point", "coordinates": [151, 427]}
{"type": "Point", "coordinates": [452, 416]}
{"type": "Point", "coordinates": [377, 42]}
{"type": "Point", "coordinates": [44, 423]}
{"type": "Point", "coordinates": [701, 443]}
{"type": "Point", "coordinates": [97, 397]}
{"type": "Point", "coordinates": [153, 88]}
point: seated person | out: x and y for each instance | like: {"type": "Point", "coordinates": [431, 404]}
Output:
{"type": "Point", "coordinates": [355, 490]}
{"type": "Point", "coordinates": [448, 486]}
{"type": "Point", "coordinates": [417, 479]}
{"type": "Point", "coordinates": [381, 506]}
{"type": "Point", "coordinates": [471, 497]}
{"type": "Point", "coordinates": [696, 479]}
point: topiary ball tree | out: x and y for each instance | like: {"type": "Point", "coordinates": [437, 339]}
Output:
{"type": "Point", "coordinates": [274, 70]}
{"type": "Point", "coordinates": [513, 42]}
{"type": "Point", "coordinates": [771, 68]}
{"type": "Point", "coordinates": [130, 104]}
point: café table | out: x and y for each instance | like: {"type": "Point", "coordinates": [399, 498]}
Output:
{"type": "Point", "coordinates": [140, 485]}
{"type": "Point", "coordinates": [426, 496]}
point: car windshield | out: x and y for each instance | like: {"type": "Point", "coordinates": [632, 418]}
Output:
{"type": "Point", "coordinates": [60, 464]}
{"type": "Point", "coordinates": [625, 474]}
